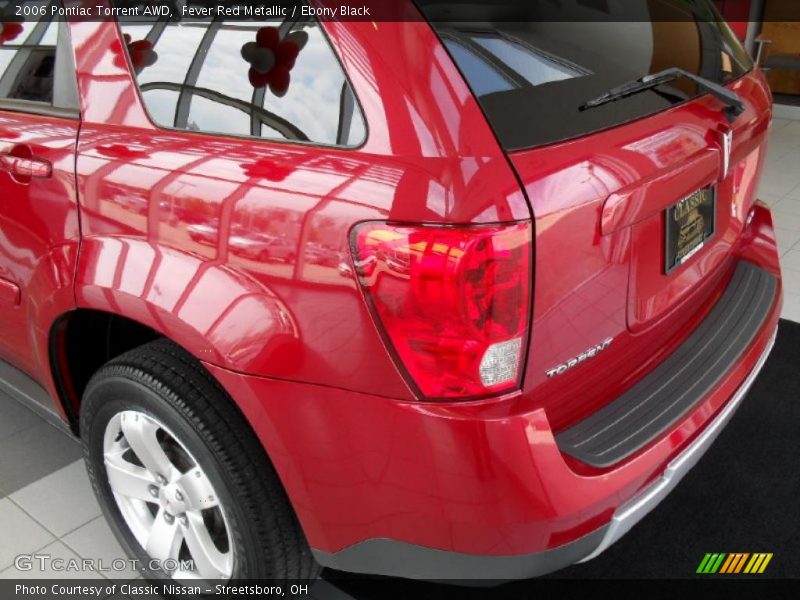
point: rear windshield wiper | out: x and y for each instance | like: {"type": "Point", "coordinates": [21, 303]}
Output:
{"type": "Point", "coordinates": [733, 103]}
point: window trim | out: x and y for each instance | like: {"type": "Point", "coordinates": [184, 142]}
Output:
{"type": "Point", "coordinates": [65, 81]}
{"type": "Point", "coordinates": [38, 108]}
{"type": "Point", "coordinates": [249, 137]}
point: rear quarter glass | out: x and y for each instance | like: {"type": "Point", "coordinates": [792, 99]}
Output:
{"type": "Point", "coordinates": [261, 79]}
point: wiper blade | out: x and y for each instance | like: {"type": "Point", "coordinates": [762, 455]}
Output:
{"type": "Point", "coordinates": [632, 87]}
{"type": "Point", "coordinates": [733, 103]}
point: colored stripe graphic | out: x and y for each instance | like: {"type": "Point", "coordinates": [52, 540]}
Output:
{"type": "Point", "coordinates": [755, 562]}
{"type": "Point", "coordinates": [734, 563]}
{"type": "Point", "coordinates": [730, 564]}
{"type": "Point", "coordinates": [711, 563]}
{"type": "Point", "coordinates": [703, 563]}
{"type": "Point", "coordinates": [727, 564]}
{"type": "Point", "coordinates": [740, 564]}
{"type": "Point", "coordinates": [764, 564]}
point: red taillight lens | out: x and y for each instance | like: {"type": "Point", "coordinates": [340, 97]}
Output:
{"type": "Point", "coordinates": [453, 302]}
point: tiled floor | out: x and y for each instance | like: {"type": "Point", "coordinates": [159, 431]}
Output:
{"type": "Point", "coordinates": [47, 505]}
{"type": "Point", "coordinates": [780, 188]}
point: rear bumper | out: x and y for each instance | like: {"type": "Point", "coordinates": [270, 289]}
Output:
{"type": "Point", "coordinates": [398, 558]}
{"type": "Point", "coordinates": [655, 403]}
{"type": "Point", "coordinates": [630, 513]}
{"type": "Point", "coordinates": [474, 490]}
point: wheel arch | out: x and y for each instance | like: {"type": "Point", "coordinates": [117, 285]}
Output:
{"type": "Point", "coordinates": [129, 291]}
{"type": "Point", "coordinates": [80, 341]}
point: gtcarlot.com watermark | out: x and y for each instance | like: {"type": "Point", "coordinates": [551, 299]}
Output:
{"type": "Point", "coordinates": [46, 562]}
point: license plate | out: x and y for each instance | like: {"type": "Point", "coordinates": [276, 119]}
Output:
{"type": "Point", "coordinates": [689, 225]}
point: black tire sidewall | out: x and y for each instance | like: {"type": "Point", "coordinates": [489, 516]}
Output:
{"type": "Point", "coordinates": [106, 397]}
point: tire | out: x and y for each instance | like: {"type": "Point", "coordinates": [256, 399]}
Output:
{"type": "Point", "coordinates": [219, 485]}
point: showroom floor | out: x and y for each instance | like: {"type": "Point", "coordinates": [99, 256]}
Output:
{"type": "Point", "coordinates": [780, 188]}
{"type": "Point", "coordinates": [46, 503]}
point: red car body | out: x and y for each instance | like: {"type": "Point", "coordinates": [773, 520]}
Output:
{"type": "Point", "coordinates": [361, 456]}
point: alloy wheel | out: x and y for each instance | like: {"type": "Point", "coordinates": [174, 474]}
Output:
{"type": "Point", "coordinates": [166, 498]}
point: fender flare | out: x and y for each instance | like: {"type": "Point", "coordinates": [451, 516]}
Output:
{"type": "Point", "coordinates": [167, 290]}
{"type": "Point", "coordinates": [170, 292]}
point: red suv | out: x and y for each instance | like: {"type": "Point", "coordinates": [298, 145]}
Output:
{"type": "Point", "coordinates": [412, 296]}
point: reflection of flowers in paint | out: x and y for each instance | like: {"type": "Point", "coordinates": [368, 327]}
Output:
{"type": "Point", "coordinates": [270, 169]}
{"type": "Point", "coordinates": [121, 151]}
{"type": "Point", "coordinates": [272, 58]}
{"type": "Point", "coordinates": [141, 53]}
{"type": "Point", "coordinates": [9, 30]}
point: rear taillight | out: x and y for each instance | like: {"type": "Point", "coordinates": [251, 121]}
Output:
{"type": "Point", "coordinates": [452, 301]}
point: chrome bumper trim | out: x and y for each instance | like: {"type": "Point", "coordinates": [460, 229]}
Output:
{"type": "Point", "coordinates": [630, 513]}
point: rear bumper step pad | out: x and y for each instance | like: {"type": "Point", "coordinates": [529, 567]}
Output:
{"type": "Point", "coordinates": [660, 399]}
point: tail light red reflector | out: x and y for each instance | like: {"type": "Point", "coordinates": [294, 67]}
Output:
{"type": "Point", "coordinates": [453, 302]}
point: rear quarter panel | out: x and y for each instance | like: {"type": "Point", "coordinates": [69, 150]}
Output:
{"type": "Point", "coordinates": [158, 208]}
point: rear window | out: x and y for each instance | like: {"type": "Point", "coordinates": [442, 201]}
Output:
{"type": "Point", "coordinates": [532, 69]}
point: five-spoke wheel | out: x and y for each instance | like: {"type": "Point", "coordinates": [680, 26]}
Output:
{"type": "Point", "coordinates": [165, 497]}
